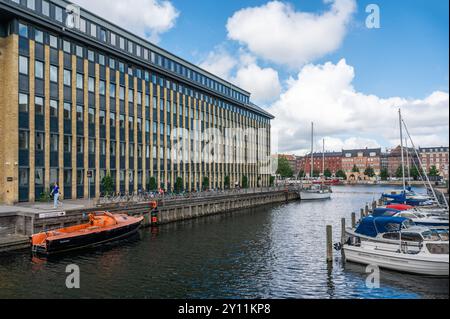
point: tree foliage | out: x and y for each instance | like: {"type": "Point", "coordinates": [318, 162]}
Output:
{"type": "Point", "coordinates": [384, 174]}
{"type": "Point", "coordinates": [284, 169]}
{"type": "Point", "coordinates": [327, 173]}
{"type": "Point", "coordinates": [341, 174]}
{"type": "Point", "coordinates": [370, 172]}
{"type": "Point", "coordinates": [108, 184]}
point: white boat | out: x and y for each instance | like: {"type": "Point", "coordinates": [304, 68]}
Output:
{"type": "Point", "coordinates": [315, 194]}
{"type": "Point", "coordinates": [419, 218]}
{"type": "Point", "coordinates": [397, 244]}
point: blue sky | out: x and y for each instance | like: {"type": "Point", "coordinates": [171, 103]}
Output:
{"type": "Point", "coordinates": [408, 56]}
{"type": "Point", "coordinates": [314, 61]}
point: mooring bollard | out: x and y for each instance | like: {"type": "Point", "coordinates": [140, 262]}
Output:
{"type": "Point", "coordinates": [366, 209]}
{"type": "Point", "coordinates": [353, 220]}
{"type": "Point", "coordinates": [380, 202]}
{"type": "Point", "coordinates": [329, 244]}
{"type": "Point", "coordinates": [342, 231]}
{"type": "Point", "coordinates": [374, 205]}
{"type": "Point", "coordinates": [362, 213]}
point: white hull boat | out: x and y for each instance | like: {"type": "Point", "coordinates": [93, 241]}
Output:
{"type": "Point", "coordinates": [315, 194]}
{"type": "Point", "coordinates": [389, 256]}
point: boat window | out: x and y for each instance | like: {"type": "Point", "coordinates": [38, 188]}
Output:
{"type": "Point", "coordinates": [438, 249]}
{"type": "Point", "coordinates": [431, 235]}
{"type": "Point", "coordinates": [411, 237]}
{"type": "Point", "coordinates": [407, 215]}
{"type": "Point", "coordinates": [392, 236]}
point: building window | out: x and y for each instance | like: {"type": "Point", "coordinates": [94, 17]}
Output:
{"type": "Point", "coordinates": [39, 176]}
{"type": "Point", "coordinates": [80, 115]}
{"type": "Point", "coordinates": [23, 140]}
{"type": "Point", "coordinates": [102, 117]}
{"type": "Point", "coordinates": [79, 51]}
{"type": "Point", "coordinates": [112, 90]}
{"type": "Point", "coordinates": [101, 59]}
{"type": "Point", "coordinates": [91, 146]}
{"type": "Point", "coordinates": [122, 121]}
{"type": "Point", "coordinates": [130, 96]}
{"type": "Point", "coordinates": [67, 144]}
{"type": "Point", "coordinates": [103, 147]}
{"type": "Point", "coordinates": [45, 8]}
{"type": "Point", "coordinates": [93, 30]}
{"type": "Point", "coordinates": [112, 148]}
{"type": "Point", "coordinates": [31, 4]}
{"type": "Point", "coordinates": [122, 149]}
{"type": "Point", "coordinates": [58, 14]}
{"type": "Point", "coordinates": [103, 35]}
{"type": "Point", "coordinates": [53, 143]}
{"type": "Point", "coordinates": [23, 177]}
{"type": "Point", "coordinates": [91, 56]}
{"type": "Point", "coordinates": [122, 43]}
{"type": "Point", "coordinates": [79, 81]}
{"type": "Point", "coordinates": [39, 105]}
{"type": "Point", "coordinates": [91, 116]}
{"type": "Point", "coordinates": [130, 47]}
{"type": "Point", "coordinates": [53, 108]}
{"type": "Point", "coordinates": [53, 42]}
{"type": "Point", "coordinates": [23, 103]}
{"type": "Point", "coordinates": [67, 47]}
{"type": "Point", "coordinates": [67, 111]}
{"type": "Point", "coordinates": [39, 70]}
{"type": "Point", "coordinates": [112, 119]}
{"type": "Point", "coordinates": [68, 177]}
{"type": "Point", "coordinates": [80, 145]}
{"type": "Point", "coordinates": [23, 65]}
{"type": "Point", "coordinates": [38, 36]}
{"type": "Point", "coordinates": [39, 143]}
{"type": "Point", "coordinates": [67, 78]}
{"type": "Point", "coordinates": [82, 25]}
{"type": "Point", "coordinates": [53, 73]}
{"type": "Point", "coordinates": [91, 85]}
{"type": "Point", "coordinates": [121, 93]}
{"type": "Point", "coordinates": [112, 63]}
{"type": "Point", "coordinates": [113, 39]}
{"type": "Point", "coordinates": [101, 87]}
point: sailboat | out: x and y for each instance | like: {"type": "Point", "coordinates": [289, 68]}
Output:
{"type": "Point", "coordinates": [315, 191]}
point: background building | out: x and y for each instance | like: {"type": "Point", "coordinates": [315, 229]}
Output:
{"type": "Point", "coordinates": [362, 159]}
{"type": "Point", "coordinates": [333, 162]}
{"type": "Point", "coordinates": [435, 156]}
{"type": "Point", "coordinates": [394, 160]}
{"type": "Point", "coordinates": [96, 99]}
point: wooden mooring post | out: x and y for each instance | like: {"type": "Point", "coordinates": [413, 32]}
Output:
{"type": "Point", "coordinates": [343, 231]}
{"type": "Point", "coordinates": [366, 210]}
{"type": "Point", "coordinates": [329, 244]}
{"type": "Point", "coordinates": [362, 213]}
{"type": "Point", "coordinates": [353, 220]}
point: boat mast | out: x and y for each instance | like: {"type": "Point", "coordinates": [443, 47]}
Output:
{"type": "Point", "coordinates": [407, 160]}
{"type": "Point", "coordinates": [312, 150]}
{"type": "Point", "coordinates": [401, 145]}
{"type": "Point", "coordinates": [323, 159]}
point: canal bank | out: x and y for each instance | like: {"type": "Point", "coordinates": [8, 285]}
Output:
{"type": "Point", "coordinates": [17, 224]}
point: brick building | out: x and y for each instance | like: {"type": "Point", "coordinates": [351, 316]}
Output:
{"type": "Point", "coordinates": [435, 156]}
{"type": "Point", "coordinates": [333, 162]}
{"type": "Point", "coordinates": [362, 159]}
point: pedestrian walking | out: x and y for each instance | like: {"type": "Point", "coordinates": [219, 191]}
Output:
{"type": "Point", "coordinates": [55, 193]}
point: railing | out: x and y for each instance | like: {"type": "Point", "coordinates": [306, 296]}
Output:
{"type": "Point", "coordinates": [143, 196]}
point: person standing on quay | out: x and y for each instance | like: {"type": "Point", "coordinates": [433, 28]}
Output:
{"type": "Point", "coordinates": [55, 193]}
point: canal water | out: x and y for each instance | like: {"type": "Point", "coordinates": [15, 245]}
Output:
{"type": "Point", "coordinates": [269, 252]}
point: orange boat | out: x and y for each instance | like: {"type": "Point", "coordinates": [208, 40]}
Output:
{"type": "Point", "coordinates": [102, 227]}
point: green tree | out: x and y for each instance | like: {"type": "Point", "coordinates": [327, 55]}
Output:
{"type": "Point", "coordinates": [433, 171]}
{"type": "Point", "coordinates": [152, 184]}
{"type": "Point", "coordinates": [341, 174]}
{"type": "Point", "coordinates": [355, 169]}
{"type": "Point", "coordinates": [108, 184]}
{"type": "Point", "coordinates": [226, 182]}
{"type": "Point", "coordinates": [316, 173]}
{"type": "Point", "coordinates": [244, 182]}
{"type": "Point", "coordinates": [205, 183]}
{"type": "Point", "coordinates": [370, 172]}
{"type": "Point", "coordinates": [301, 174]}
{"type": "Point", "coordinates": [272, 180]}
{"type": "Point", "coordinates": [179, 185]}
{"type": "Point", "coordinates": [399, 172]}
{"type": "Point", "coordinates": [414, 172]}
{"type": "Point", "coordinates": [327, 173]}
{"type": "Point", "coordinates": [384, 174]}
{"type": "Point", "coordinates": [284, 169]}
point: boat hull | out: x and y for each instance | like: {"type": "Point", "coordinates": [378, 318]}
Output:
{"type": "Point", "coordinates": [61, 245]}
{"type": "Point", "coordinates": [437, 265]}
{"type": "Point", "coordinates": [314, 196]}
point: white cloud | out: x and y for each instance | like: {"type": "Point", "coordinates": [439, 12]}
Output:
{"type": "Point", "coordinates": [325, 95]}
{"type": "Point", "coordinates": [219, 63]}
{"type": "Point", "coordinates": [276, 32]}
{"type": "Point", "coordinates": [146, 18]}
{"type": "Point", "coordinates": [264, 84]}
{"type": "Point", "coordinates": [243, 71]}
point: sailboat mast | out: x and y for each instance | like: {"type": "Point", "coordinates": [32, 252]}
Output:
{"type": "Point", "coordinates": [323, 159]}
{"type": "Point", "coordinates": [312, 149]}
{"type": "Point", "coordinates": [407, 159]}
{"type": "Point", "coordinates": [401, 145]}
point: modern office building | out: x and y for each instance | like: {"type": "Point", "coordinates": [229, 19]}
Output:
{"type": "Point", "coordinates": [82, 97]}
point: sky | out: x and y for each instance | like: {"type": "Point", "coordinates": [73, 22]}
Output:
{"type": "Point", "coordinates": [314, 61]}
